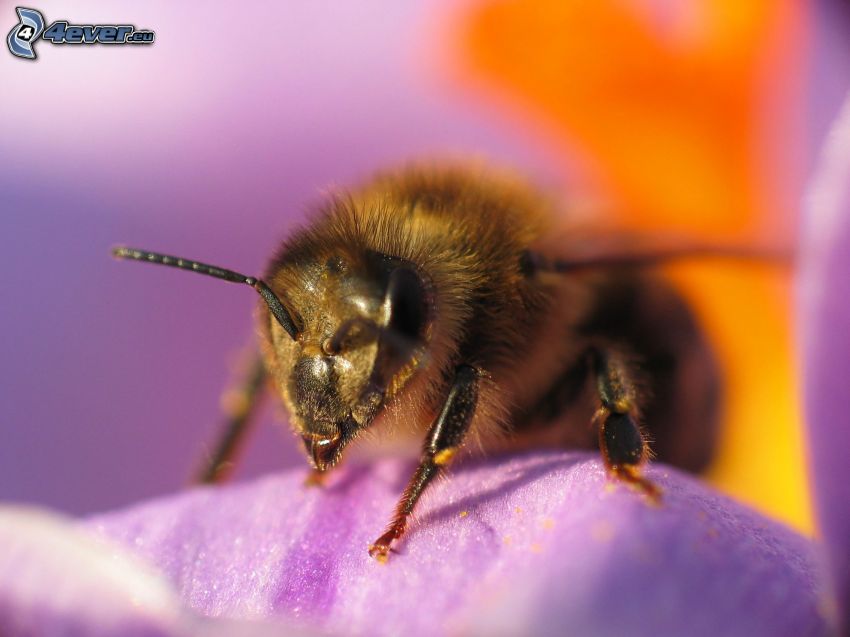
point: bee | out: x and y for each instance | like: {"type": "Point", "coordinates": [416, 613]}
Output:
{"type": "Point", "coordinates": [455, 300]}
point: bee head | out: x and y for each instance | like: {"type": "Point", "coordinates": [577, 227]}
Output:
{"type": "Point", "coordinates": [341, 335]}
{"type": "Point", "coordinates": [362, 326]}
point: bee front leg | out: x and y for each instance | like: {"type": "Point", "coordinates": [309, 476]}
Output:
{"type": "Point", "coordinates": [240, 404]}
{"type": "Point", "coordinates": [443, 441]}
{"type": "Point", "coordinates": [623, 446]}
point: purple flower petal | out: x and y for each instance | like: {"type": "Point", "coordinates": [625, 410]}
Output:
{"type": "Point", "coordinates": [825, 330]}
{"type": "Point", "coordinates": [56, 579]}
{"type": "Point", "coordinates": [531, 544]}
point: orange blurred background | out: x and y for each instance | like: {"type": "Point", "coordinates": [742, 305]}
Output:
{"type": "Point", "coordinates": [687, 120]}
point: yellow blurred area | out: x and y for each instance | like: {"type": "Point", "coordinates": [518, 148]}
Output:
{"type": "Point", "coordinates": [687, 116]}
{"type": "Point", "coordinates": [746, 312]}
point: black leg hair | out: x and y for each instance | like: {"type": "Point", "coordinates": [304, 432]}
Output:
{"type": "Point", "coordinates": [444, 439]}
{"type": "Point", "coordinates": [621, 442]}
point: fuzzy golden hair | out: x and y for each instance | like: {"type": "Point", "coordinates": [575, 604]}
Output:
{"type": "Point", "coordinates": [470, 233]}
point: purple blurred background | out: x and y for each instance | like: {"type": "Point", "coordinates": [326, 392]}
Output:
{"type": "Point", "coordinates": [209, 144]}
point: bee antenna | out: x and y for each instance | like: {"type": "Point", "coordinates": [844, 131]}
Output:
{"type": "Point", "coordinates": [275, 306]}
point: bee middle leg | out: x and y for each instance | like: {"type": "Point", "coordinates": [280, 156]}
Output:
{"type": "Point", "coordinates": [623, 446]}
{"type": "Point", "coordinates": [442, 443]}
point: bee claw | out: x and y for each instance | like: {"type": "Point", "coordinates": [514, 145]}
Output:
{"type": "Point", "coordinates": [652, 492]}
{"type": "Point", "coordinates": [381, 552]}
{"type": "Point", "coordinates": [632, 477]}
{"type": "Point", "coordinates": [382, 547]}
{"type": "Point", "coordinates": [315, 479]}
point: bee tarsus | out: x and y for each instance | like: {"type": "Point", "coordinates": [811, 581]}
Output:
{"type": "Point", "coordinates": [623, 445]}
{"type": "Point", "coordinates": [444, 439]}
